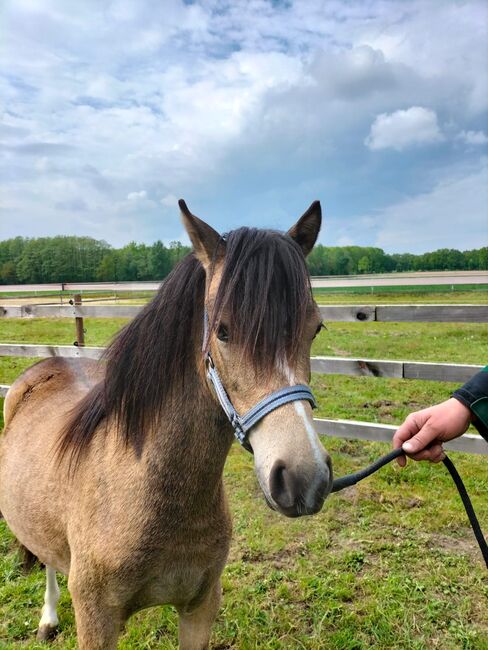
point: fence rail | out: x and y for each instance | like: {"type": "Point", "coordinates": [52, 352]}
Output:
{"type": "Point", "coordinates": [455, 372]}
{"type": "Point", "coordinates": [417, 278]}
{"type": "Point", "coordinates": [352, 430]}
{"type": "Point", "coordinates": [332, 313]}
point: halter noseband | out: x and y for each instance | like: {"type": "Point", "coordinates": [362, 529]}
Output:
{"type": "Point", "coordinates": [243, 423]}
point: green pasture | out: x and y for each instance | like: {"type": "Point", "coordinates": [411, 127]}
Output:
{"type": "Point", "coordinates": [440, 294]}
{"type": "Point", "coordinates": [390, 563]}
{"type": "Point", "coordinates": [443, 342]}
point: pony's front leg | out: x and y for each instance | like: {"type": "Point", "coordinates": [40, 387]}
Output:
{"type": "Point", "coordinates": [195, 626]}
{"type": "Point", "coordinates": [97, 624]}
{"type": "Point", "coordinates": [49, 620]}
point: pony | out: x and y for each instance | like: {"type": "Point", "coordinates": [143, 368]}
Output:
{"type": "Point", "coordinates": [111, 471]}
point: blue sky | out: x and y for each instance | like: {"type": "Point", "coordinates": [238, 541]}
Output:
{"type": "Point", "coordinates": [111, 111]}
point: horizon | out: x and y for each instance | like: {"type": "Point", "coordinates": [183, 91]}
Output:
{"type": "Point", "coordinates": [177, 242]}
{"type": "Point", "coordinates": [378, 109]}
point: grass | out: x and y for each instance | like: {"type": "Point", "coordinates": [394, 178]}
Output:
{"type": "Point", "coordinates": [459, 295]}
{"type": "Point", "coordinates": [406, 297]}
{"type": "Point", "coordinates": [441, 342]}
{"type": "Point", "coordinates": [435, 294]}
{"type": "Point", "coordinates": [390, 563]}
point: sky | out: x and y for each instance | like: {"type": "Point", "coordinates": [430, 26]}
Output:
{"type": "Point", "coordinates": [250, 110]}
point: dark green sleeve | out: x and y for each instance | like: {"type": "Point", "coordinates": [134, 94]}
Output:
{"type": "Point", "coordinates": [474, 395]}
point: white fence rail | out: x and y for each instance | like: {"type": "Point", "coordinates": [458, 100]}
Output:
{"type": "Point", "coordinates": [455, 372]}
{"type": "Point", "coordinates": [342, 313]}
{"type": "Point", "coordinates": [420, 278]}
{"type": "Point", "coordinates": [352, 430]}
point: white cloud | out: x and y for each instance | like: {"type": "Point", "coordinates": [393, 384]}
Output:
{"type": "Point", "coordinates": [444, 41]}
{"type": "Point", "coordinates": [404, 128]}
{"type": "Point", "coordinates": [170, 201]}
{"type": "Point", "coordinates": [221, 97]}
{"type": "Point", "coordinates": [454, 214]}
{"type": "Point", "coordinates": [137, 196]}
{"type": "Point", "coordinates": [473, 137]}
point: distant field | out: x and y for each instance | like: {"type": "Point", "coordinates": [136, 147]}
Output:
{"type": "Point", "coordinates": [461, 294]}
{"type": "Point", "coordinates": [455, 294]}
{"type": "Point", "coordinates": [390, 563]}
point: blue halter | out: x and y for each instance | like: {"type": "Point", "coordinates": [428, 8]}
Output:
{"type": "Point", "coordinates": [243, 423]}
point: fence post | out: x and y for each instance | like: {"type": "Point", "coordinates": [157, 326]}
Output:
{"type": "Point", "coordinates": [80, 331]}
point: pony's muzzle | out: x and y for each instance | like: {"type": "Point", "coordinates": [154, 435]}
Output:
{"type": "Point", "coordinates": [295, 493]}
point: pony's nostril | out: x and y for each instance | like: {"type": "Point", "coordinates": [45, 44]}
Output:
{"type": "Point", "coordinates": [297, 493]}
{"type": "Point", "coordinates": [282, 484]}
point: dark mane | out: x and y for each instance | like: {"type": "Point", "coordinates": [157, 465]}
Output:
{"type": "Point", "coordinates": [149, 361]}
{"type": "Point", "coordinates": [263, 297]}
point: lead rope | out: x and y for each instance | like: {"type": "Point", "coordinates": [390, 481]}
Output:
{"type": "Point", "coordinates": [351, 479]}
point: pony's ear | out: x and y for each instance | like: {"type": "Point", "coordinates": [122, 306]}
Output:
{"type": "Point", "coordinates": [306, 229]}
{"type": "Point", "coordinates": [204, 238]}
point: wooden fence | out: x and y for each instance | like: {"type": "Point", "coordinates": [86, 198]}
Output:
{"type": "Point", "coordinates": [344, 313]}
{"type": "Point", "coordinates": [413, 278]}
{"type": "Point", "coordinates": [326, 365]}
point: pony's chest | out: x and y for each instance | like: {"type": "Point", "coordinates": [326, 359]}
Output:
{"type": "Point", "coordinates": [182, 583]}
{"type": "Point", "coordinates": [180, 586]}
{"type": "Point", "coordinates": [177, 568]}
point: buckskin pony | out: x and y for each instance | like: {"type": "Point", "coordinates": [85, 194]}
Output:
{"type": "Point", "coordinates": [111, 471]}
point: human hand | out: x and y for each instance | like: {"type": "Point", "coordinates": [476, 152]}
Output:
{"type": "Point", "coordinates": [423, 432]}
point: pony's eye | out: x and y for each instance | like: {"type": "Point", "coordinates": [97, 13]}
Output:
{"type": "Point", "coordinates": [222, 333]}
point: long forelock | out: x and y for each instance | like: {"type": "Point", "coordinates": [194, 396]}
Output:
{"type": "Point", "coordinates": [264, 293]}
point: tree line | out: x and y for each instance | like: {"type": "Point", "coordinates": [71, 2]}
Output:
{"type": "Point", "coordinates": [83, 259]}
{"type": "Point", "coordinates": [354, 260]}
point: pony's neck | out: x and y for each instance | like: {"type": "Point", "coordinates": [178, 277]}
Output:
{"type": "Point", "coordinates": [191, 444]}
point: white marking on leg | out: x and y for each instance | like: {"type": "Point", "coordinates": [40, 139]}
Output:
{"type": "Point", "coordinates": [316, 450]}
{"type": "Point", "coordinates": [51, 597]}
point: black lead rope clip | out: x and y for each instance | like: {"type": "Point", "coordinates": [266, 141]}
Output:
{"type": "Point", "coordinates": [351, 479]}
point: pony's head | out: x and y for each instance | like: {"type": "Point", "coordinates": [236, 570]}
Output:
{"type": "Point", "coordinates": [261, 323]}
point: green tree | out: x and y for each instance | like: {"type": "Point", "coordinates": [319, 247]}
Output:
{"type": "Point", "coordinates": [364, 265]}
{"type": "Point", "coordinates": [8, 273]}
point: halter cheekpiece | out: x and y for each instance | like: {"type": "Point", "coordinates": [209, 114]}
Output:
{"type": "Point", "coordinates": [242, 424]}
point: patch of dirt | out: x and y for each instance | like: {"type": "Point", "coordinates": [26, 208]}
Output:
{"type": "Point", "coordinates": [350, 494]}
{"type": "Point", "coordinates": [454, 545]}
{"type": "Point", "coordinates": [353, 448]}
{"type": "Point", "coordinates": [416, 406]}
{"type": "Point", "coordinates": [279, 559]}
{"type": "Point", "coordinates": [379, 403]}
{"type": "Point", "coordinates": [413, 503]}
{"type": "Point", "coordinates": [383, 406]}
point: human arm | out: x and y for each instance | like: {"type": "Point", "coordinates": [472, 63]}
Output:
{"type": "Point", "coordinates": [423, 432]}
